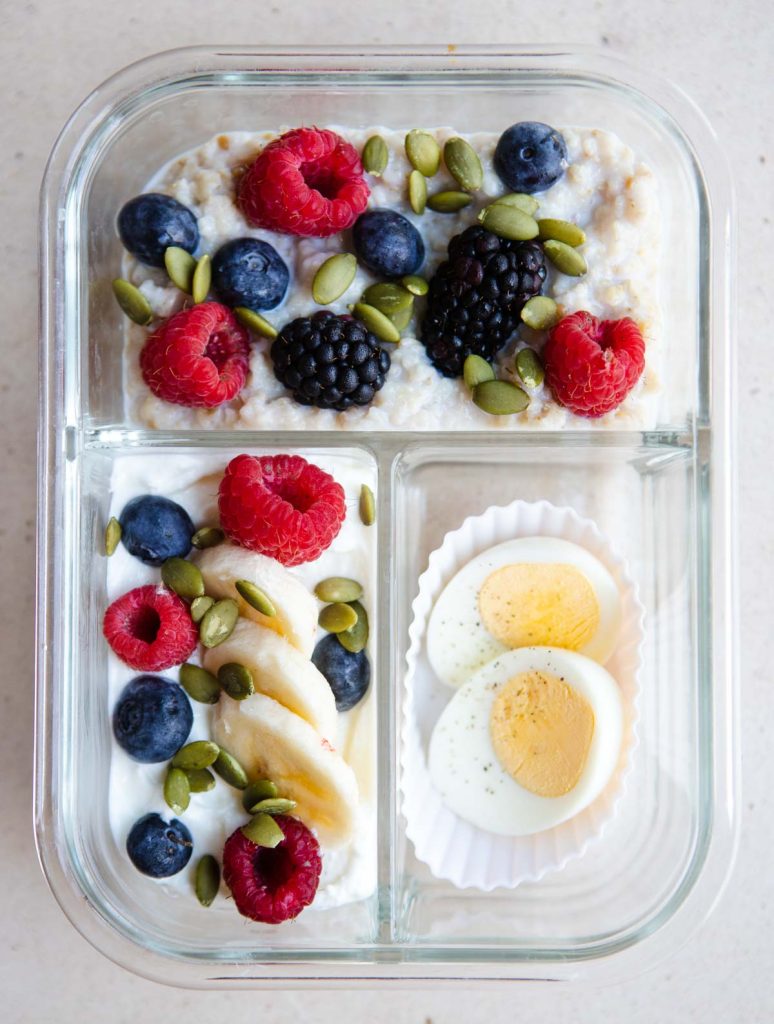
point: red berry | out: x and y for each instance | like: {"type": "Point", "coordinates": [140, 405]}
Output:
{"type": "Point", "coordinates": [281, 506]}
{"type": "Point", "coordinates": [150, 628]}
{"type": "Point", "coordinates": [198, 357]}
{"type": "Point", "coordinates": [273, 885]}
{"type": "Point", "coordinates": [306, 182]}
{"type": "Point", "coordinates": [592, 365]}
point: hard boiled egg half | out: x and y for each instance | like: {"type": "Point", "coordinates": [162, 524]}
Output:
{"type": "Point", "coordinates": [529, 592]}
{"type": "Point", "coordinates": [530, 741]}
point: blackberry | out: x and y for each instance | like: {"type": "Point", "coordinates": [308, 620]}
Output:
{"type": "Point", "coordinates": [476, 296]}
{"type": "Point", "coordinates": [329, 361]}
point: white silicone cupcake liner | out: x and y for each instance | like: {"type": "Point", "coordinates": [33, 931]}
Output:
{"type": "Point", "coordinates": [452, 848]}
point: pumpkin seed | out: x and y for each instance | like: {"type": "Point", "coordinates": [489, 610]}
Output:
{"type": "Point", "coordinates": [375, 155]}
{"type": "Point", "coordinates": [561, 231]}
{"type": "Point", "coordinates": [208, 537]}
{"type": "Point", "coordinates": [565, 258]}
{"type": "Point", "coordinates": [529, 368]}
{"type": "Point", "coordinates": [388, 298]}
{"type": "Point", "coordinates": [207, 880]}
{"type": "Point", "coordinates": [449, 201]}
{"type": "Point", "coordinates": [463, 164]}
{"type": "Point", "coordinates": [230, 770]}
{"type": "Point", "coordinates": [177, 791]}
{"type": "Point", "coordinates": [112, 535]}
{"type": "Point", "coordinates": [338, 588]}
{"type": "Point", "coordinates": [199, 754]}
{"type": "Point", "coordinates": [255, 597]}
{"type": "Point", "coordinates": [255, 322]}
{"type": "Point", "coordinates": [335, 618]}
{"type": "Point", "coordinates": [333, 277]}
{"type": "Point", "coordinates": [218, 622]}
{"type": "Point", "coordinates": [180, 266]}
{"type": "Point", "coordinates": [540, 312]}
{"type": "Point", "coordinates": [475, 370]}
{"type": "Point", "coordinates": [423, 152]}
{"type": "Point", "coordinates": [132, 302]}
{"type": "Point", "coordinates": [415, 284]}
{"type": "Point", "coordinates": [276, 805]}
{"type": "Point", "coordinates": [199, 684]}
{"type": "Point", "coordinates": [183, 577]}
{"type": "Point", "coordinates": [367, 506]}
{"type": "Point", "coordinates": [200, 606]}
{"type": "Point", "coordinates": [236, 680]}
{"type": "Point", "coordinates": [202, 279]}
{"type": "Point", "coordinates": [526, 203]}
{"type": "Point", "coordinates": [261, 789]}
{"type": "Point", "coordinates": [355, 639]}
{"type": "Point", "coordinates": [377, 322]}
{"type": "Point", "coordinates": [402, 318]}
{"type": "Point", "coordinates": [508, 222]}
{"type": "Point", "coordinates": [263, 830]}
{"type": "Point", "coordinates": [200, 780]}
{"type": "Point", "coordinates": [500, 397]}
{"type": "Point", "coordinates": [417, 191]}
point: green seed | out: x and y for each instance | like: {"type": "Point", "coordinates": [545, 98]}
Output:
{"type": "Point", "coordinates": [500, 397]}
{"type": "Point", "coordinates": [335, 618]}
{"type": "Point", "coordinates": [417, 191]}
{"type": "Point", "coordinates": [375, 155]}
{"type": "Point", "coordinates": [561, 231]}
{"type": "Point", "coordinates": [276, 805]}
{"type": "Point", "coordinates": [202, 279]}
{"type": "Point", "coordinates": [208, 537]}
{"type": "Point", "coordinates": [177, 791]}
{"type": "Point", "coordinates": [423, 152]}
{"type": "Point", "coordinates": [183, 577]}
{"type": "Point", "coordinates": [355, 639]}
{"type": "Point", "coordinates": [112, 535]}
{"type": "Point", "coordinates": [388, 298]}
{"type": "Point", "coordinates": [255, 322]}
{"type": "Point", "coordinates": [529, 368]}
{"type": "Point", "coordinates": [476, 370]}
{"type": "Point", "coordinates": [526, 203]}
{"type": "Point", "coordinates": [333, 277]}
{"type": "Point", "coordinates": [565, 258]}
{"type": "Point", "coordinates": [508, 222]}
{"type": "Point", "coordinates": [463, 164]}
{"type": "Point", "coordinates": [207, 881]}
{"type": "Point", "coordinates": [263, 830]}
{"type": "Point", "coordinates": [132, 302]}
{"type": "Point", "coordinates": [218, 623]}
{"type": "Point", "coordinates": [200, 780]}
{"type": "Point", "coordinates": [415, 284]}
{"type": "Point", "coordinates": [236, 680]}
{"type": "Point", "coordinates": [540, 313]}
{"type": "Point", "coordinates": [338, 588]}
{"type": "Point", "coordinates": [402, 318]}
{"type": "Point", "coordinates": [200, 606]}
{"type": "Point", "coordinates": [256, 791]}
{"type": "Point", "coordinates": [180, 266]}
{"type": "Point", "coordinates": [367, 506]}
{"type": "Point", "coordinates": [199, 754]}
{"type": "Point", "coordinates": [449, 201]}
{"type": "Point", "coordinates": [377, 322]}
{"type": "Point", "coordinates": [255, 597]}
{"type": "Point", "coordinates": [230, 770]}
{"type": "Point", "coordinates": [199, 684]}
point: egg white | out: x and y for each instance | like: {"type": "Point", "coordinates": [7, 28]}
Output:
{"type": "Point", "coordinates": [458, 643]}
{"type": "Point", "coordinates": [465, 769]}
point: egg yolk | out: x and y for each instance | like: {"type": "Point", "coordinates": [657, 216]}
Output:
{"type": "Point", "coordinates": [541, 732]}
{"type": "Point", "coordinates": [537, 604]}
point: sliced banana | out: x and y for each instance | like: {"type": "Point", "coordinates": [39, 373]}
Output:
{"type": "Point", "coordinates": [296, 608]}
{"type": "Point", "coordinates": [274, 743]}
{"type": "Point", "coordinates": [279, 671]}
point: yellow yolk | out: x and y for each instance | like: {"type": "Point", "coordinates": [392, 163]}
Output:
{"type": "Point", "coordinates": [539, 604]}
{"type": "Point", "coordinates": [541, 731]}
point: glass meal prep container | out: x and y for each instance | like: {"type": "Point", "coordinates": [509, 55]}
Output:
{"type": "Point", "coordinates": [661, 863]}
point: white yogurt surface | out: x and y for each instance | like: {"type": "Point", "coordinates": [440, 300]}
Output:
{"type": "Point", "coordinates": [348, 873]}
{"type": "Point", "coordinates": [605, 190]}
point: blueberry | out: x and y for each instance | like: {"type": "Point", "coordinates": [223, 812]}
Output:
{"type": "Point", "coordinates": [348, 674]}
{"type": "Point", "coordinates": [249, 272]}
{"type": "Point", "coordinates": [159, 849]}
{"type": "Point", "coordinates": [530, 156]}
{"type": "Point", "coordinates": [149, 223]}
{"type": "Point", "coordinates": [154, 529]}
{"type": "Point", "coordinates": [152, 719]}
{"type": "Point", "coordinates": [388, 243]}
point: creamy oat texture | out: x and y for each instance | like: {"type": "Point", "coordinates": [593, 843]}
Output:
{"type": "Point", "coordinates": [349, 873]}
{"type": "Point", "coordinates": [605, 190]}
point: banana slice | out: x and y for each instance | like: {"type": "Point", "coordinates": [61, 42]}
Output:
{"type": "Point", "coordinates": [279, 671]}
{"type": "Point", "coordinates": [272, 742]}
{"type": "Point", "coordinates": [296, 608]}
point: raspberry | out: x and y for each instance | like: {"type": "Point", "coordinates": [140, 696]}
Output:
{"type": "Point", "coordinates": [592, 365]}
{"type": "Point", "coordinates": [273, 885]}
{"type": "Point", "coordinates": [198, 357]}
{"type": "Point", "coordinates": [306, 182]}
{"type": "Point", "coordinates": [281, 506]}
{"type": "Point", "coordinates": [150, 629]}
